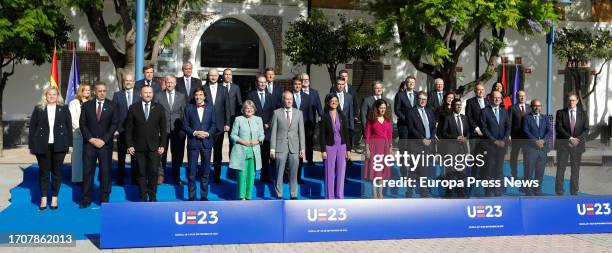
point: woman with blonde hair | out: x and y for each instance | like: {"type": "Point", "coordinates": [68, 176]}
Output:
{"type": "Point", "coordinates": [50, 136]}
{"type": "Point", "coordinates": [247, 135]}
{"type": "Point", "coordinates": [83, 95]}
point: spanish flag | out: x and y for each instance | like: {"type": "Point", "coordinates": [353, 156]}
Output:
{"type": "Point", "coordinates": [54, 79]}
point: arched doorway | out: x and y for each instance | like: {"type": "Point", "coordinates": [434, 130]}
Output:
{"type": "Point", "coordinates": [230, 43]}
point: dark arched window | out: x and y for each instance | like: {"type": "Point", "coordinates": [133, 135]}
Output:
{"type": "Point", "coordinates": [230, 43]}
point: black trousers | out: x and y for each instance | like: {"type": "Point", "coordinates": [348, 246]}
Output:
{"type": "Point", "coordinates": [50, 162]}
{"type": "Point", "coordinates": [176, 141]}
{"type": "Point", "coordinates": [148, 162]}
{"type": "Point", "coordinates": [265, 161]}
{"type": "Point", "coordinates": [517, 146]}
{"type": "Point", "coordinates": [310, 132]}
{"type": "Point", "coordinates": [494, 167]}
{"type": "Point", "coordinates": [575, 157]}
{"type": "Point", "coordinates": [217, 154]}
{"type": "Point", "coordinates": [103, 157]}
{"type": "Point", "coordinates": [121, 153]}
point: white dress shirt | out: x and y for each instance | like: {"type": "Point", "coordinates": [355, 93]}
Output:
{"type": "Point", "coordinates": [51, 120]}
{"type": "Point", "coordinates": [213, 91]}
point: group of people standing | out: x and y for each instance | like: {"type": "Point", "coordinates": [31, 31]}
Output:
{"type": "Point", "coordinates": [276, 127]}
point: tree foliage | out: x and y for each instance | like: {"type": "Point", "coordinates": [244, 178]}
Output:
{"type": "Point", "coordinates": [433, 33]}
{"type": "Point", "coordinates": [29, 30]}
{"type": "Point", "coordinates": [319, 41]}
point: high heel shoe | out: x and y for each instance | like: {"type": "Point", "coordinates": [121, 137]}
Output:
{"type": "Point", "coordinates": [56, 204]}
{"type": "Point", "coordinates": [42, 208]}
{"type": "Point", "coordinates": [43, 200]}
{"type": "Point", "coordinates": [53, 207]}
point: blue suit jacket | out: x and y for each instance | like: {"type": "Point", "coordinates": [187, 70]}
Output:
{"type": "Point", "coordinates": [120, 102]}
{"type": "Point", "coordinates": [489, 126]}
{"type": "Point", "coordinates": [305, 106]}
{"type": "Point", "coordinates": [415, 124]}
{"type": "Point", "coordinates": [315, 102]}
{"type": "Point", "coordinates": [191, 123]}
{"type": "Point", "coordinates": [138, 85]}
{"type": "Point", "coordinates": [533, 132]}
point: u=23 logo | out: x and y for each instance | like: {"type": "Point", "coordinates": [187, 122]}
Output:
{"type": "Point", "coordinates": [326, 214]}
{"type": "Point", "coordinates": [484, 211]}
{"type": "Point", "coordinates": [193, 217]}
{"type": "Point", "coordinates": [593, 209]}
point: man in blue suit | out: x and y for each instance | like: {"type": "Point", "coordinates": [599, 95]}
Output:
{"type": "Point", "coordinates": [346, 101]}
{"type": "Point", "coordinates": [273, 87]}
{"type": "Point", "coordinates": [537, 130]}
{"type": "Point", "coordinates": [148, 80]}
{"type": "Point", "coordinates": [317, 112]}
{"type": "Point", "coordinates": [218, 97]}
{"type": "Point", "coordinates": [495, 126]}
{"type": "Point", "coordinates": [421, 135]}
{"type": "Point", "coordinates": [199, 124]}
{"type": "Point", "coordinates": [265, 104]}
{"type": "Point", "coordinates": [302, 102]}
{"type": "Point", "coordinates": [122, 100]}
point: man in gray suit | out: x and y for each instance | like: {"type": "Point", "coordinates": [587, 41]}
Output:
{"type": "Point", "coordinates": [368, 103]}
{"type": "Point", "coordinates": [235, 99]}
{"type": "Point", "coordinates": [287, 143]}
{"type": "Point", "coordinates": [173, 103]}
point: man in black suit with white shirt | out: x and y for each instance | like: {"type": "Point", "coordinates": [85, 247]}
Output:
{"type": "Point", "coordinates": [217, 95]}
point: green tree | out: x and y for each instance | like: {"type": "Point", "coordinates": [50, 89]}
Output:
{"type": "Point", "coordinates": [575, 46]}
{"type": "Point", "coordinates": [433, 33]}
{"type": "Point", "coordinates": [29, 30]}
{"type": "Point", "coordinates": [162, 20]}
{"type": "Point", "coordinates": [318, 41]}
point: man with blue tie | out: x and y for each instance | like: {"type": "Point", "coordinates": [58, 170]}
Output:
{"type": "Point", "coordinates": [436, 97]}
{"type": "Point", "coordinates": [148, 80]}
{"type": "Point", "coordinates": [495, 126]}
{"type": "Point", "coordinates": [273, 88]}
{"type": "Point", "coordinates": [199, 124]}
{"type": "Point", "coordinates": [122, 100]}
{"type": "Point", "coordinates": [264, 102]}
{"type": "Point", "coordinates": [311, 123]}
{"type": "Point", "coordinates": [187, 83]}
{"type": "Point", "coordinates": [303, 103]}
{"type": "Point", "coordinates": [404, 101]}
{"type": "Point", "coordinates": [421, 135]}
{"type": "Point", "coordinates": [345, 100]}
{"type": "Point", "coordinates": [537, 131]}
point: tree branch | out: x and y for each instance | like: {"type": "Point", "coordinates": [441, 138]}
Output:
{"type": "Point", "coordinates": [170, 21]}
{"type": "Point", "coordinates": [98, 26]}
{"type": "Point", "coordinates": [595, 80]}
{"type": "Point", "coordinates": [122, 9]}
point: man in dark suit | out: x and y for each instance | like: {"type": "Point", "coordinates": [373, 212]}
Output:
{"type": "Point", "coordinates": [495, 125]}
{"type": "Point", "coordinates": [264, 102]}
{"type": "Point", "coordinates": [146, 136]}
{"type": "Point", "coordinates": [235, 100]}
{"type": "Point", "coordinates": [537, 131]}
{"type": "Point", "coordinates": [454, 133]}
{"type": "Point", "coordinates": [273, 87]}
{"type": "Point", "coordinates": [354, 116]}
{"type": "Point", "coordinates": [200, 126]}
{"type": "Point", "coordinates": [572, 128]}
{"type": "Point", "coordinates": [346, 102]}
{"type": "Point", "coordinates": [302, 102]}
{"type": "Point", "coordinates": [311, 123]}
{"type": "Point", "coordinates": [148, 80]}
{"type": "Point", "coordinates": [368, 103]}
{"type": "Point", "coordinates": [517, 113]}
{"type": "Point", "coordinates": [404, 101]}
{"type": "Point", "coordinates": [436, 97]}
{"type": "Point", "coordinates": [98, 122]}
{"type": "Point", "coordinates": [122, 100]}
{"type": "Point", "coordinates": [173, 102]}
{"type": "Point", "coordinates": [473, 108]}
{"type": "Point", "coordinates": [421, 135]}
{"type": "Point", "coordinates": [217, 95]}
{"type": "Point", "coordinates": [187, 84]}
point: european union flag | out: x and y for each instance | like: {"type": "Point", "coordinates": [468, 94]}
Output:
{"type": "Point", "coordinates": [74, 79]}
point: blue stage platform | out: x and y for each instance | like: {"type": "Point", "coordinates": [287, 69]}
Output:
{"type": "Point", "coordinates": [23, 216]}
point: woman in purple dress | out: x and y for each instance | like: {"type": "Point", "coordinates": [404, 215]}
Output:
{"type": "Point", "coordinates": [335, 147]}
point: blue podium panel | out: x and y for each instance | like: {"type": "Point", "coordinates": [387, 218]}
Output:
{"type": "Point", "coordinates": [330, 220]}
{"type": "Point", "coordinates": [132, 224]}
{"type": "Point", "coordinates": [567, 215]}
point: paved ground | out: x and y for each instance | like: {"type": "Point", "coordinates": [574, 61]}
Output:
{"type": "Point", "coordinates": [15, 160]}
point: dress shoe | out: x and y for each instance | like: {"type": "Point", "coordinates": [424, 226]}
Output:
{"type": "Point", "coordinates": [191, 199]}
{"type": "Point", "coordinates": [144, 199]}
{"type": "Point", "coordinates": [84, 204]}
{"type": "Point", "coordinates": [217, 180]}
{"type": "Point", "coordinates": [293, 198]}
{"type": "Point", "coordinates": [300, 181]}
{"type": "Point", "coordinates": [160, 180]}
{"type": "Point", "coordinates": [42, 208]}
{"type": "Point", "coordinates": [177, 181]}
{"type": "Point", "coordinates": [120, 182]}
{"type": "Point", "coordinates": [203, 199]}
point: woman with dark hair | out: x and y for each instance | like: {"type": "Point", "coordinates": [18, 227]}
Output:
{"type": "Point", "coordinates": [446, 108]}
{"type": "Point", "coordinates": [497, 87]}
{"type": "Point", "coordinates": [335, 147]}
{"type": "Point", "coordinates": [49, 139]}
{"type": "Point", "coordinates": [379, 136]}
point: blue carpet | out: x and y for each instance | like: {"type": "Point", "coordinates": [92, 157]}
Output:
{"type": "Point", "coordinates": [23, 216]}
